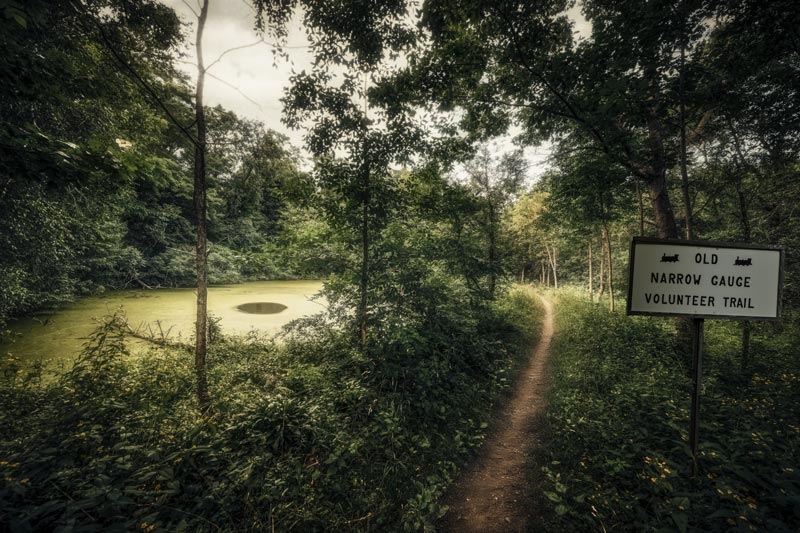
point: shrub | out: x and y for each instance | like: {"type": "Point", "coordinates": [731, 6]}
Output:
{"type": "Point", "coordinates": [619, 459]}
{"type": "Point", "coordinates": [309, 434]}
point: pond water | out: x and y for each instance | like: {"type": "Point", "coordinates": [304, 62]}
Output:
{"type": "Point", "coordinates": [262, 305]}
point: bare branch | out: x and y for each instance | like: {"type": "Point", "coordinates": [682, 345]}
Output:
{"type": "Point", "coordinates": [195, 13]}
{"type": "Point", "coordinates": [235, 88]}
{"type": "Point", "coordinates": [229, 50]}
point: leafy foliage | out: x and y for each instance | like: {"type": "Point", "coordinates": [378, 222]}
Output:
{"type": "Point", "coordinates": [308, 435]}
{"type": "Point", "coordinates": [619, 458]}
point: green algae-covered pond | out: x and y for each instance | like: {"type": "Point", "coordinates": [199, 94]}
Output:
{"type": "Point", "coordinates": [261, 305]}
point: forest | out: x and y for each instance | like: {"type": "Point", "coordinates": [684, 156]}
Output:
{"type": "Point", "coordinates": [438, 254]}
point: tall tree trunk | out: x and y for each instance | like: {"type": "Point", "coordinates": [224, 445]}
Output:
{"type": "Point", "coordinates": [199, 197]}
{"type": "Point", "coordinates": [641, 207]}
{"type": "Point", "coordinates": [607, 243]}
{"type": "Point", "coordinates": [365, 197]}
{"type": "Point", "coordinates": [657, 178]}
{"type": "Point", "coordinates": [555, 266]}
{"type": "Point", "coordinates": [662, 208]}
{"type": "Point", "coordinates": [492, 250]}
{"type": "Point", "coordinates": [552, 259]}
{"type": "Point", "coordinates": [663, 212]}
{"type": "Point", "coordinates": [602, 270]}
{"type": "Point", "coordinates": [591, 275]}
{"type": "Point", "coordinates": [687, 201]}
{"type": "Point", "coordinates": [522, 274]}
{"type": "Point", "coordinates": [547, 274]}
{"type": "Point", "coordinates": [362, 309]}
{"type": "Point", "coordinates": [744, 218]}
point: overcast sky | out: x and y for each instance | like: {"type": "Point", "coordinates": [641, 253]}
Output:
{"type": "Point", "coordinates": [250, 81]}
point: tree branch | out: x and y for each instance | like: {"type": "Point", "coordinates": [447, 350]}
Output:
{"type": "Point", "coordinates": [78, 6]}
{"type": "Point", "coordinates": [229, 50]}
{"type": "Point", "coordinates": [572, 112]}
{"type": "Point", "coordinates": [195, 13]}
{"type": "Point", "coordinates": [235, 89]}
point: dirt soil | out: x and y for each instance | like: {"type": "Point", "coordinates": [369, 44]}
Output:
{"type": "Point", "coordinates": [492, 494]}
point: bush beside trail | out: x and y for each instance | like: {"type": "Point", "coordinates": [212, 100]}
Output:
{"type": "Point", "coordinates": [311, 434]}
{"type": "Point", "coordinates": [618, 458]}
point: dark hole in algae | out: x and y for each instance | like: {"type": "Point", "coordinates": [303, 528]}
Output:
{"type": "Point", "coordinates": [261, 308]}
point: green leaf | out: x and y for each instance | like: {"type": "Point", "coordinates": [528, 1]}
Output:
{"type": "Point", "coordinates": [681, 521]}
{"type": "Point", "coordinates": [552, 496]}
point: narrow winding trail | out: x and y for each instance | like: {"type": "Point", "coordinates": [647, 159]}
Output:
{"type": "Point", "coordinates": [492, 494]}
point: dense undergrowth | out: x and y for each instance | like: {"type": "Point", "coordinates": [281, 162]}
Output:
{"type": "Point", "coordinates": [618, 457]}
{"type": "Point", "coordinates": [309, 434]}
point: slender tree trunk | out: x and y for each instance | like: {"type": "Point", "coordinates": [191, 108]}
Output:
{"type": "Point", "coordinates": [365, 192]}
{"type": "Point", "coordinates": [641, 207]}
{"type": "Point", "coordinates": [687, 201]}
{"type": "Point", "coordinates": [607, 242]}
{"type": "Point", "coordinates": [551, 258]}
{"type": "Point", "coordinates": [201, 325]}
{"type": "Point", "coordinates": [492, 250]}
{"type": "Point", "coordinates": [546, 267]}
{"type": "Point", "coordinates": [555, 267]}
{"type": "Point", "coordinates": [522, 274]}
{"type": "Point", "coordinates": [602, 270]}
{"type": "Point", "coordinates": [591, 275]}
{"type": "Point", "coordinates": [744, 218]}
{"type": "Point", "coordinates": [362, 311]}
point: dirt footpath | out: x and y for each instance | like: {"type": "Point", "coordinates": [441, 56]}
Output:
{"type": "Point", "coordinates": [492, 494]}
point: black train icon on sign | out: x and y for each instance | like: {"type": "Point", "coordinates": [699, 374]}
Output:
{"type": "Point", "coordinates": [743, 262]}
{"type": "Point", "coordinates": [669, 258]}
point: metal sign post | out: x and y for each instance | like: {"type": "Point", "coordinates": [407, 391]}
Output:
{"type": "Point", "coordinates": [697, 372]}
{"type": "Point", "coordinates": [704, 280]}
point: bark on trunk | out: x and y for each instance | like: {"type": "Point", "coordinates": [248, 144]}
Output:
{"type": "Point", "coordinates": [656, 176]}
{"type": "Point", "coordinates": [555, 267]}
{"type": "Point", "coordinates": [687, 201]}
{"type": "Point", "coordinates": [602, 280]}
{"type": "Point", "coordinates": [744, 218]}
{"type": "Point", "coordinates": [641, 207]}
{"type": "Point", "coordinates": [366, 196]}
{"type": "Point", "coordinates": [547, 274]}
{"type": "Point", "coordinates": [553, 260]}
{"type": "Point", "coordinates": [492, 251]}
{"type": "Point", "coordinates": [363, 285]}
{"type": "Point", "coordinates": [591, 276]}
{"type": "Point", "coordinates": [199, 197]}
{"type": "Point", "coordinates": [610, 269]}
{"type": "Point", "coordinates": [662, 208]}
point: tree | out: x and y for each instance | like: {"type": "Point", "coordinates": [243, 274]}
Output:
{"type": "Point", "coordinates": [200, 210]}
{"type": "Point", "coordinates": [495, 181]}
{"type": "Point", "coordinates": [611, 92]}
{"type": "Point", "coordinates": [351, 43]}
{"type": "Point", "coordinates": [588, 192]}
{"type": "Point", "coordinates": [74, 128]}
{"type": "Point", "coordinates": [533, 234]}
